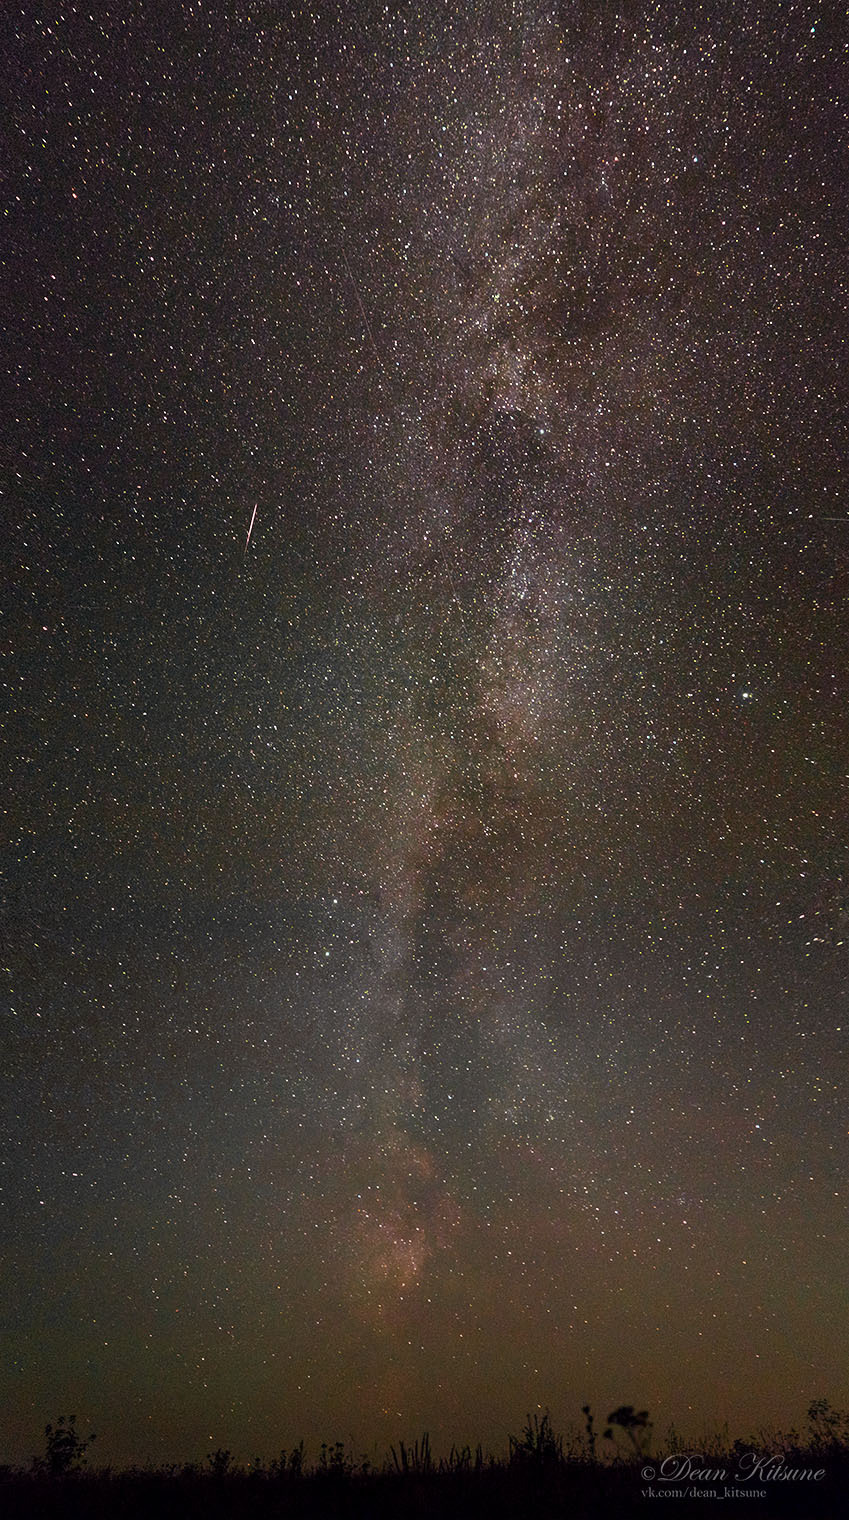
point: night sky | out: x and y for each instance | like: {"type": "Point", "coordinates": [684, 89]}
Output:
{"type": "Point", "coordinates": [426, 699]}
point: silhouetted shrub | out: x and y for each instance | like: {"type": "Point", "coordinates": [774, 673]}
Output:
{"type": "Point", "coordinates": [538, 1443]}
{"type": "Point", "coordinates": [635, 1424]}
{"type": "Point", "coordinates": [65, 1449]}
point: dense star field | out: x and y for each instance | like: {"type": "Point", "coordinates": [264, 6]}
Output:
{"type": "Point", "coordinates": [427, 702]}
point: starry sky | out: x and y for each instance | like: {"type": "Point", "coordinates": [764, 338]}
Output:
{"type": "Point", "coordinates": [426, 700]}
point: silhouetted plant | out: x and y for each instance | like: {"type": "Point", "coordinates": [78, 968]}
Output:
{"type": "Point", "coordinates": [828, 1426]}
{"type": "Point", "coordinates": [459, 1460]}
{"type": "Point", "coordinates": [591, 1436]}
{"type": "Point", "coordinates": [674, 1442]}
{"type": "Point", "coordinates": [415, 1459]}
{"type": "Point", "coordinates": [65, 1448]}
{"type": "Point", "coordinates": [333, 1461]}
{"type": "Point", "coordinates": [289, 1465]}
{"type": "Point", "coordinates": [635, 1424]}
{"type": "Point", "coordinates": [538, 1442]}
{"type": "Point", "coordinates": [219, 1463]}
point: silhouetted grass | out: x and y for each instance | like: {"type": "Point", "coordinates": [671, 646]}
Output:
{"type": "Point", "coordinates": [542, 1474]}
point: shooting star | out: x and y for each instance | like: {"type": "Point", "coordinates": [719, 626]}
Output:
{"type": "Point", "coordinates": [251, 527]}
{"type": "Point", "coordinates": [363, 311]}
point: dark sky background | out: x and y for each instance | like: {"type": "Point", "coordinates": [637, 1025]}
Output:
{"type": "Point", "coordinates": [425, 923]}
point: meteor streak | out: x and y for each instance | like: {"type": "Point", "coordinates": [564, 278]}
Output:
{"type": "Point", "coordinates": [251, 527]}
{"type": "Point", "coordinates": [363, 313]}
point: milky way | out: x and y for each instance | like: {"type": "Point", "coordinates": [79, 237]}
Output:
{"type": "Point", "coordinates": [427, 677]}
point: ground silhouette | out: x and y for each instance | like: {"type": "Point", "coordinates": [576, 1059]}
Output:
{"type": "Point", "coordinates": [543, 1473]}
